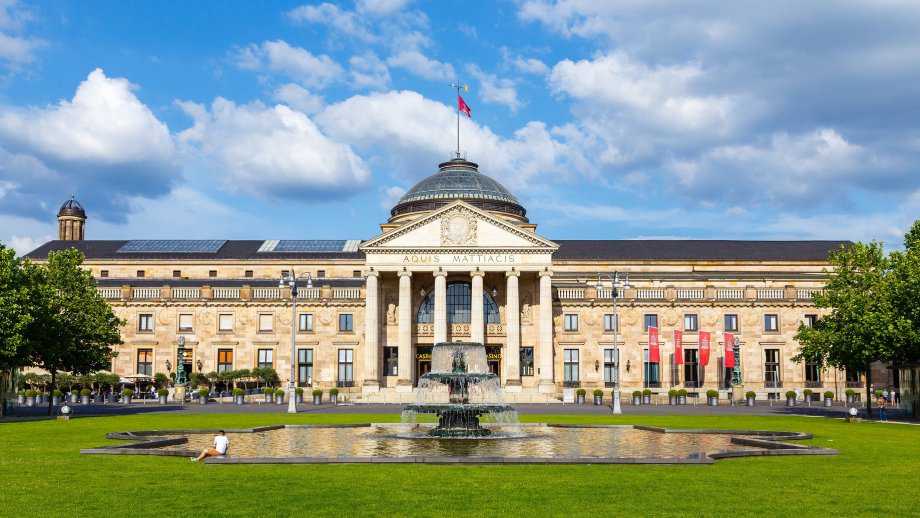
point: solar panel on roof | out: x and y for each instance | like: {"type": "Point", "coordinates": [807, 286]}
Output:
{"type": "Point", "coordinates": [309, 245]}
{"type": "Point", "coordinates": [183, 246]}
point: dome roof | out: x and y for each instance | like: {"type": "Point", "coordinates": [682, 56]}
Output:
{"type": "Point", "coordinates": [458, 179]}
{"type": "Point", "coordinates": [72, 207]}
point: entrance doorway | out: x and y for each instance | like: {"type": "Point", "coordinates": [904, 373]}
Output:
{"type": "Point", "coordinates": [422, 362]}
{"type": "Point", "coordinates": [494, 358]}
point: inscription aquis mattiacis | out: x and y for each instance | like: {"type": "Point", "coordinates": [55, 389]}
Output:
{"type": "Point", "coordinates": [459, 259]}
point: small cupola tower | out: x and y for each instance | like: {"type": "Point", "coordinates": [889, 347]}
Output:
{"type": "Point", "coordinates": [71, 221]}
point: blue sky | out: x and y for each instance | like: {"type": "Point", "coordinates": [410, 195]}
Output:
{"type": "Point", "coordinates": [632, 119]}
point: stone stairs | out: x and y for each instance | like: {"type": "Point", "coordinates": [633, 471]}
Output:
{"type": "Point", "coordinates": [390, 395]}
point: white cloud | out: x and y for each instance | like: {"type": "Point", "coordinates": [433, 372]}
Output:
{"type": "Point", "coordinates": [531, 66]}
{"type": "Point", "coordinates": [345, 22]}
{"type": "Point", "coordinates": [16, 48]}
{"type": "Point", "coordinates": [296, 63]}
{"type": "Point", "coordinates": [272, 152]}
{"type": "Point", "coordinates": [391, 195]}
{"type": "Point", "coordinates": [298, 98]}
{"type": "Point", "coordinates": [381, 7]}
{"type": "Point", "coordinates": [495, 90]}
{"type": "Point", "coordinates": [368, 71]}
{"type": "Point", "coordinates": [418, 64]}
{"type": "Point", "coordinates": [25, 244]}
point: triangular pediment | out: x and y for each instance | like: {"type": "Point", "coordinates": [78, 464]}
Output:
{"type": "Point", "coordinates": [458, 225]}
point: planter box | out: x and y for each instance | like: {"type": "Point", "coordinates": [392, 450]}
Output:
{"type": "Point", "coordinates": [21, 400]}
{"type": "Point", "coordinates": [851, 399]}
{"type": "Point", "coordinates": [790, 401]}
{"type": "Point", "coordinates": [580, 399]}
{"type": "Point", "coordinates": [73, 398]}
{"type": "Point", "coordinates": [646, 400]}
{"type": "Point", "coordinates": [202, 400]}
{"type": "Point", "coordinates": [279, 400]}
{"type": "Point", "coordinates": [713, 401]}
{"type": "Point", "coordinates": [681, 400]}
{"type": "Point", "coordinates": [750, 401]}
{"type": "Point", "coordinates": [30, 401]}
{"type": "Point", "coordinates": [126, 400]}
{"type": "Point", "coordinates": [84, 400]}
{"type": "Point", "coordinates": [672, 400]}
{"type": "Point", "coordinates": [828, 401]}
{"type": "Point", "coordinates": [334, 399]}
{"type": "Point", "coordinates": [162, 399]}
{"type": "Point", "coordinates": [298, 398]}
{"type": "Point", "coordinates": [637, 400]}
{"type": "Point", "coordinates": [598, 400]}
{"type": "Point", "coordinates": [269, 398]}
{"type": "Point", "coordinates": [239, 400]}
{"type": "Point", "coordinates": [55, 400]}
{"type": "Point", "coordinates": [317, 400]}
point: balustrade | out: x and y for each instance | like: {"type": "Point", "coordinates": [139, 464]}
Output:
{"type": "Point", "coordinates": [110, 293]}
{"type": "Point", "coordinates": [186, 293]}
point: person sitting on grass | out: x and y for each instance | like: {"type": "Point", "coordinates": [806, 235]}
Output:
{"type": "Point", "coordinates": [221, 442]}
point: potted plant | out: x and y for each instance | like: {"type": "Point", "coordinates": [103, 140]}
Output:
{"type": "Point", "coordinates": [21, 397]}
{"type": "Point", "coordinates": [790, 398]}
{"type": "Point", "coordinates": [162, 394]}
{"type": "Point", "coordinates": [807, 393]}
{"type": "Point", "coordinates": [74, 395]}
{"type": "Point", "coordinates": [56, 397]}
{"type": "Point", "coordinates": [30, 397]}
{"type": "Point", "coordinates": [647, 397]}
{"type": "Point", "coordinates": [238, 396]}
{"type": "Point", "coordinates": [712, 397]}
{"type": "Point", "coordinates": [279, 396]}
{"type": "Point", "coordinates": [828, 398]}
{"type": "Point", "coordinates": [203, 394]}
{"type": "Point", "coordinates": [580, 396]}
{"type": "Point", "coordinates": [682, 397]}
{"type": "Point", "coordinates": [298, 394]}
{"type": "Point", "coordinates": [851, 396]}
{"type": "Point", "coordinates": [334, 396]}
{"type": "Point", "coordinates": [637, 397]}
{"type": "Point", "coordinates": [269, 394]}
{"type": "Point", "coordinates": [317, 397]}
{"type": "Point", "coordinates": [598, 396]}
{"type": "Point", "coordinates": [750, 396]}
{"type": "Point", "coordinates": [126, 396]}
{"type": "Point", "coordinates": [878, 393]}
{"type": "Point", "coordinates": [672, 397]}
{"type": "Point", "coordinates": [84, 396]}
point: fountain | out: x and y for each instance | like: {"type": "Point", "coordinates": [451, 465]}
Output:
{"type": "Point", "coordinates": [459, 390]}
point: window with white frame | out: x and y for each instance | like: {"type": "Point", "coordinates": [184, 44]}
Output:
{"type": "Point", "coordinates": [225, 322]}
{"type": "Point", "coordinates": [305, 322]}
{"type": "Point", "coordinates": [571, 322]}
{"type": "Point", "coordinates": [266, 322]}
{"type": "Point", "coordinates": [185, 322]}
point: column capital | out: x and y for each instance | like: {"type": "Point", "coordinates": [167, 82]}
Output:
{"type": "Point", "coordinates": [440, 273]}
{"type": "Point", "coordinates": [477, 273]}
{"type": "Point", "coordinates": [512, 273]}
{"type": "Point", "coordinates": [372, 273]}
{"type": "Point", "coordinates": [546, 273]}
{"type": "Point", "coordinates": [405, 273]}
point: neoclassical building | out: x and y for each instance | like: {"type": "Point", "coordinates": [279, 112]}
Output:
{"type": "Point", "coordinates": [458, 260]}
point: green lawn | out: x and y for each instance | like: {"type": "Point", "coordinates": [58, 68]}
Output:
{"type": "Point", "coordinates": [43, 474]}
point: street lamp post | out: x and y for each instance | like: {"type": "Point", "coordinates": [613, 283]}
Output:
{"type": "Point", "coordinates": [615, 285]}
{"type": "Point", "coordinates": [291, 281]}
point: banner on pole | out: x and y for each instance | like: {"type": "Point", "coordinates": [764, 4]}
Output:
{"type": "Point", "coordinates": [704, 347]}
{"type": "Point", "coordinates": [729, 354]}
{"type": "Point", "coordinates": [654, 353]}
{"type": "Point", "coordinates": [678, 347]}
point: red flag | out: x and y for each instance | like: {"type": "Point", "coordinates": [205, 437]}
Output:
{"type": "Point", "coordinates": [678, 347]}
{"type": "Point", "coordinates": [654, 355]}
{"type": "Point", "coordinates": [704, 347]}
{"type": "Point", "coordinates": [461, 105]}
{"type": "Point", "coordinates": [729, 351]}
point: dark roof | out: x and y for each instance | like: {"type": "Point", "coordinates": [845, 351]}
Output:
{"type": "Point", "coordinates": [231, 250]}
{"type": "Point", "coordinates": [224, 283]}
{"type": "Point", "coordinates": [694, 250]}
{"type": "Point", "coordinates": [72, 207]}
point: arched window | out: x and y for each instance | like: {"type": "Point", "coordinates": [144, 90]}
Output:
{"type": "Point", "coordinates": [459, 302]}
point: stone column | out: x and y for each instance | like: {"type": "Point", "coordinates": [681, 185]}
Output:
{"type": "Point", "coordinates": [546, 332]}
{"type": "Point", "coordinates": [404, 342]}
{"type": "Point", "coordinates": [512, 354]}
{"type": "Point", "coordinates": [440, 307]}
{"type": "Point", "coordinates": [371, 334]}
{"type": "Point", "coordinates": [477, 329]}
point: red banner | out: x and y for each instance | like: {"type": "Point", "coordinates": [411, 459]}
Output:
{"type": "Point", "coordinates": [729, 360]}
{"type": "Point", "coordinates": [704, 347]}
{"type": "Point", "coordinates": [678, 347]}
{"type": "Point", "coordinates": [654, 354]}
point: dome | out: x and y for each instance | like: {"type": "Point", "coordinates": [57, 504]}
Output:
{"type": "Point", "coordinates": [458, 179]}
{"type": "Point", "coordinates": [72, 207]}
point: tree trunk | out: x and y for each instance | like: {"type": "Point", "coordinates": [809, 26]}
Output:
{"type": "Point", "coordinates": [51, 393]}
{"type": "Point", "coordinates": [868, 390]}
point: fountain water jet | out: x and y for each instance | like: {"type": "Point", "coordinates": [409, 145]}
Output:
{"type": "Point", "coordinates": [460, 372]}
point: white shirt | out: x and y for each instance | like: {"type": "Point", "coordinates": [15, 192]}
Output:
{"type": "Point", "coordinates": [220, 443]}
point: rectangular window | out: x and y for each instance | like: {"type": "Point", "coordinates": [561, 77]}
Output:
{"type": "Point", "coordinates": [145, 362]}
{"type": "Point", "coordinates": [770, 323]}
{"type": "Point", "coordinates": [320, 274]}
{"type": "Point", "coordinates": [854, 378]}
{"type": "Point", "coordinates": [650, 321]}
{"type": "Point", "coordinates": [810, 320]}
{"type": "Point", "coordinates": [145, 323]}
{"type": "Point", "coordinates": [140, 273]}
{"type": "Point", "coordinates": [609, 322]}
{"type": "Point", "coordinates": [526, 361]}
{"type": "Point", "coordinates": [265, 359]}
{"type": "Point", "coordinates": [305, 367]}
{"type": "Point", "coordinates": [813, 375]}
{"type": "Point", "coordinates": [177, 273]}
{"type": "Point", "coordinates": [570, 364]}
{"type": "Point", "coordinates": [346, 368]}
{"type": "Point", "coordinates": [224, 360]}
{"type": "Point", "coordinates": [103, 273]}
{"type": "Point", "coordinates": [225, 322]}
{"type": "Point", "coordinates": [610, 367]}
{"type": "Point", "coordinates": [391, 361]}
{"type": "Point", "coordinates": [345, 322]}
{"type": "Point", "coordinates": [691, 369]}
{"type": "Point", "coordinates": [185, 322]}
{"type": "Point", "coordinates": [305, 322]}
{"type": "Point", "coordinates": [771, 368]}
{"type": "Point", "coordinates": [690, 322]}
{"type": "Point", "coordinates": [650, 371]}
{"type": "Point", "coordinates": [212, 273]}
{"type": "Point", "coordinates": [266, 322]}
{"type": "Point", "coordinates": [247, 274]}
{"type": "Point", "coordinates": [731, 323]}
{"type": "Point", "coordinates": [356, 274]}
{"type": "Point", "coordinates": [571, 322]}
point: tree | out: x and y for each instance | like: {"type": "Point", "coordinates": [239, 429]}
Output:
{"type": "Point", "coordinates": [16, 315]}
{"type": "Point", "coordinates": [904, 291]}
{"type": "Point", "coordinates": [74, 328]}
{"type": "Point", "coordinates": [863, 326]}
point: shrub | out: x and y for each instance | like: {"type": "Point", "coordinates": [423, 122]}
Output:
{"type": "Point", "coordinates": [647, 392]}
{"type": "Point", "coordinates": [598, 392]}
{"type": "Point", "coordinates": [581, 392]}
{"type": "Point", "coordinates": [808, 392]}
{"type": "Point", "coordinates": [672, 393]}
{"type": "Point", "coordinates": [203, 392]}
{"type": "Point", "coordinates": [85, 392]}
{"type": "Point", "coordinates": [850, 392]}
{"type": "Point", "coordinates": [333, 392]}
{"type": "Point", "coordinates": [56, 393]}
{"type": "Point", "coordinates": [163, 392]}
{"type": "Point", "coordinates": [682, 392]}
{"type": "Point", "coordinates": [127, 392]}
{"type": "Point", "coordinates": [750, 394]}
{"type": "Point", "coordinates": [317, 392]}
{"type": "Point", "coordinates": [269, 391]}
{"type": "Point", "coordinates": [790, 394]}
{"type": "Point", "coordinates": [712, 393]}
{"type": "Point", "coordinates": [828, 394]}
{"type": "Point", "coordinates": [238, 392]}
{"type": "Point", "coordinates": [279, 392]}
{"type": "Point", "coordinates": [31, 393]}
{"type": "Point", "coordinates": [637, 393]}
{"type": "Point", "coordinates": [22, 393]}
{"type": "Point", "coordinates": [878, 392]}
{"type": "Point", "coordinates": [299, 391]}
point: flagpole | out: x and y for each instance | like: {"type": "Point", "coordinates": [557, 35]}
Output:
{"type": "Point", "coordinates": [458, 86]}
